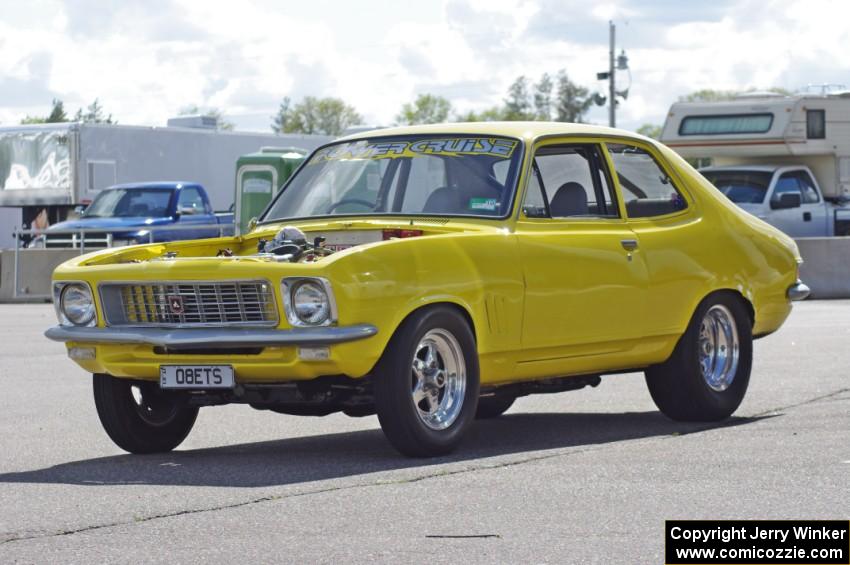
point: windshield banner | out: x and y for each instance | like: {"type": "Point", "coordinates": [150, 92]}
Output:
{"type": "Point", "coordinates": [365, 149]}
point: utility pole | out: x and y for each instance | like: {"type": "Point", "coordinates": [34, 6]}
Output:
{"type": "Point", "coordinates": [615, 63]}
{"type": "Point", "coordinates": [612, 92]}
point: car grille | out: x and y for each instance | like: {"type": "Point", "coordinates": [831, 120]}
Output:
{"type": "Point", "coordinates": [232, 303]}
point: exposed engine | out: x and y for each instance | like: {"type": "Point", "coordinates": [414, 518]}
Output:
{"type": "Point", "coordinates": [291, 245]}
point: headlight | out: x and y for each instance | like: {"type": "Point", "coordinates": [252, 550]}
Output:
{"type": "Point", "coordinates": [308, 302]}
{"type": "Point", "coordinates": [75, 304]}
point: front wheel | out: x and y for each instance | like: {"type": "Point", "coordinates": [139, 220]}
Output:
{"type": "Point", "coordinates": [141, 418]}
{"type": "Point", "coordinates": [706, 377]}
{"type": "Point", "coordinates": [426, 384]}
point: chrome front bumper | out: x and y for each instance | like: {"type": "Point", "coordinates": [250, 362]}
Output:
{"type": "Point", "coordinates": [798, 291]}
{"type": "Point", "coordinates": [212, 337]}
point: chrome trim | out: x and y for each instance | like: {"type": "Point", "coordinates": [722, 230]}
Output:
{"type": "Point", "coordinates": [798, 291]}
{"type": "Point", "coordinates": [286, 291]}
{"type": "Point", "coordinates": [115, 323]}
{"type": "Point", "coordinates": [202, 337]}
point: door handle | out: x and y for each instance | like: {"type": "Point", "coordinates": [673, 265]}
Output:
{"type": "Point", "coordinates": [807, 216]}
{"type": "Point", "coordinates": [629, 244]}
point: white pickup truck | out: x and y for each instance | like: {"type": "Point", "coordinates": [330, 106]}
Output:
{"type": "Point", "coordinates": [786, 196]}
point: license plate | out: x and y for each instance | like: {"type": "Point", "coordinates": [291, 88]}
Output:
{"type": "Point", "coordinates": [196, 376]}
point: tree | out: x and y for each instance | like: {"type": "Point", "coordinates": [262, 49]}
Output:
{"type": "Point", "coordinates": [543, 98]}
{"type": "Point", "coordinates": [94, 114]}
{"type": "Point", "coordinates": [493, 114]}
{"type": "Point", "coordinates": [323, 116]}
{"type": "Point", "coordinates": [426, 109]}
{"type": "Point", "coordinates": [710, 95]}
{"type": "Point", "coordinates": [517, 104]}
{"type": "Point", "coordinates": [650, 130]}
{"type": "Point", "coordinates": [572, 101]}
{"type": "Point", "coordinates": [211, 112]}
{"type": "Point", "coordinates": [57, 115]}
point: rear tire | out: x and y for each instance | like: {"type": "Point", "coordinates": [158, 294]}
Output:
{"type": "Point", "coordinates": [141, 418]}
{"type": "Point", "coordinates": [493, 406]}
{"type": "Point", "coordinates": [706, 377]}
{"type": "Point", "coordinates": [426, 383]}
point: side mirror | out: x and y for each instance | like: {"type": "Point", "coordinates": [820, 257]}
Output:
{"type": "Point", "coordinates": [786, 200]}
{"type": "Point", "coordinates": [186, 211]}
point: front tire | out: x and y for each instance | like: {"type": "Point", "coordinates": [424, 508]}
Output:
{"type": "Point", "coordinates": [706, 377]}
{"type": "Point", "coordinates": [426, 383]}
{"type": "Point", "coordinates": [139, 417]}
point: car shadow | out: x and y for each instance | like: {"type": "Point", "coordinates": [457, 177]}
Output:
{"type": "Point", "coordinates": [330, 456]}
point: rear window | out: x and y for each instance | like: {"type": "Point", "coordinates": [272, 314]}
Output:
{"type": "Point", "coordinates": [741, 187]}
{"type": "Point", "coordinates": [726, 124]}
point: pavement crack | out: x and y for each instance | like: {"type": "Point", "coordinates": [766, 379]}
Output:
{"type": "Point", "coordinates": [408, 480]}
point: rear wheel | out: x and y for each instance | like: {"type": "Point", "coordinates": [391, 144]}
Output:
{"type": "Point", "coordinates": [707, 375]}
{"type": "Point", "coordinates": [426, 383]}
{"type": "Point", "coordinates": [493, 406]}
{"type": "Point", "coordinates": [141, 418]}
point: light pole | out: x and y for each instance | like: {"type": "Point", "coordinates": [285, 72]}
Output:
{"type": "Point", "coordinates": [622, 63]}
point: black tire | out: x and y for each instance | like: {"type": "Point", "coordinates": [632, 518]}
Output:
{"type": "Point", "coordinates": [493, 406]}
{"type": "Point", "coordinates": [678, 387]}
{"type": "Point", "coordinates": [157, 422]}
{"type": "Point", "coordinates": [394, 381]}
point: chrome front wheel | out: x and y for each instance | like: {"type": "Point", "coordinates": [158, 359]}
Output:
{"type": "Point", "coordinates": [426, 384]}
{"type": "Point", "coordinates": [439, 379]}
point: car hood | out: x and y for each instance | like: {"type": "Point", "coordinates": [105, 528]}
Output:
{"type": "Point", "coordinates": [107, 223]}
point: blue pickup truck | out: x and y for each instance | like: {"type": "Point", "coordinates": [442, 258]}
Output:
{"type": "Point", "coordinates": [138, 213]}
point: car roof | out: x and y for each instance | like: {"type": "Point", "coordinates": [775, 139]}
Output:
{"type": "Point", "coordinates": [158, 184]}
{"type": "Point", "coordinates": [523, 130]}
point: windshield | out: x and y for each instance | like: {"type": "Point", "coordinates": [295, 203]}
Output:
{"type": "Point", "coordinates": [741, 187]}
{"type": "Point", "coordinates": [130, 202]}
{"type": "Point", "coordinates": [422, 175]}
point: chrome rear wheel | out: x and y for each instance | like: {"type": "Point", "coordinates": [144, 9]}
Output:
{"type": "Point", "coordinates": [719, 348]}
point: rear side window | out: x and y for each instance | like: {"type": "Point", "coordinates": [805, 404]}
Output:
{"type": "Point", "coordinates": [647, 189]}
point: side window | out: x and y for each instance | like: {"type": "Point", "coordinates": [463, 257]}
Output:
{"type": "Point", "coordinates": [569, 181]}
{"type": "Point", "coordinates": [815, 124]}
{"type": "Point", "coordinates": [191, 198]}
{"type": "Point", "coordinates": [788, 182]}
{"type": "Point", "coordinates": [807, 185]}
{"type": "Point", "coordinates": [647, 190]}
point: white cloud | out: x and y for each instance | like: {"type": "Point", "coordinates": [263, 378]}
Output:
{"type": "Point", "coordinates": [145, 60]}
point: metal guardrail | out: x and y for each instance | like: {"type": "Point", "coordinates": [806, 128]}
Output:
{"type": "Point", "coordinates": [78, 241]}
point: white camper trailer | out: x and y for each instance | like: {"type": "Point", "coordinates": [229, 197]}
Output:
{"type": "Point", "coordinates": [745, 137]}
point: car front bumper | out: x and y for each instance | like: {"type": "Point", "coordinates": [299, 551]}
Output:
{"type": "Point", "coordinates": [204, 338]}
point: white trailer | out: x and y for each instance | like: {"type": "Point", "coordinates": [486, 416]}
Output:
{"type": "Point", "coordinates": [811, 130]}
{"type": "Point", "coordinates": [55, 167]}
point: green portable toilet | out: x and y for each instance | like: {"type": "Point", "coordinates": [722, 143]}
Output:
{"type": "Point", "coordinates": [258, 178]}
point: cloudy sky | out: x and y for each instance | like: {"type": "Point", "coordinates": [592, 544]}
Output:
{"type": "Point", "coordinates": [145, 59]}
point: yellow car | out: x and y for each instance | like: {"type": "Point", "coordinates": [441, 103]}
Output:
{"type": "Point", "coordinates": [431, 274]}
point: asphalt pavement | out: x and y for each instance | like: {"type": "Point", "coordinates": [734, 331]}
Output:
{"type": "Point", "coordinates": [577, 477]}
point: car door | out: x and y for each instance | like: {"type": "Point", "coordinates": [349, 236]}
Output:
{"type": "Point", "coordinates": [816, 218]}
{"type": "Point", "coordinates": [796, 221]}
{"type": "Point", "coordinates": [194, 211]}
{"type": "Point", "coordinates": [585, 278]}
{"type": "Point", "coordinates": [665, 220]}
